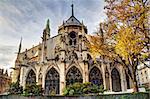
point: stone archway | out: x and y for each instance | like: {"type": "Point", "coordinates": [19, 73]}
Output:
{"type": "Point", "coordinates": [116, 82]}
{"type": "Point", "coordinates": [52, 82]}
{"type": "Point", "coordinates": [31, 78]}
{"type": "Point", "coordinates": [95, 76]}
{"type": "Point", "coordinates": [73, 75]}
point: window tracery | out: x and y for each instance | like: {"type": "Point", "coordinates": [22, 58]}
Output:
{"type": "Point", "coordinates": [31, 78]}
{"type": "Point", "coordinates": [52, 81]}
{"type": "Point", "coordinates": [72, 38]}
{"type": "Point", "coordinates": [116, 83]}
{"type": "Point", "coordinates": [73, 75]}
{"type": "Point", "coordinates": [95, 76]}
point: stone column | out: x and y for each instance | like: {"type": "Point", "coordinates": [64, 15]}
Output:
{"type": "Point", "coordinates": [43, 76]}
{"type": "Point", "coordinates": [110, 82]}
{"type": "Point", "coordinates": [85, 72]}
{"type": "Point", "coordinates": [122, 77]}
{"type": "Point", "coordinates": [125, 82]}
{"type": "Point", "coordinates": [110, 79]}
{"type": "Point", "coordinates": [103, 74]}
{"type": "Point", "coordinates": [25, 74]}
{"type": "Point", "coordinates": [62, 77]}
{"type": "Point", "coordinates": [37, 76]}
{"type": "Point", "coordinates": [21, 76]}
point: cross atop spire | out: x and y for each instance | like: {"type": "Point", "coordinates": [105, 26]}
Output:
{"type": "Point", "coordinates": [72, 10]}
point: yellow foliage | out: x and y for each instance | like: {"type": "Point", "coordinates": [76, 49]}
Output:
{"type": "Point", "coordinates": [127, 27]}
{"type": "Point", "coordinates": [98, 46]}
{"type": "Point", "coordinates": [128, 43]}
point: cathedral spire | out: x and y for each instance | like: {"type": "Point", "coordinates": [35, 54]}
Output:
{"type": "Point", "coordinates": [72, 10]}
{"type": "Point", "coordinates": [19, 50]}
{"type": "Point", "coordinates": [47, 27]}
{"type": "Point", "coordinates": [46, 32]}
{"type": "Point", "coordinates": [20, 45]}
{"type": "Point", "coordinates": [47, 24]}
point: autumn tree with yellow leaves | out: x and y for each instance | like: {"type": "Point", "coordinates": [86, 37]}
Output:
{"type": "Point", "coordinates": [125, 36]}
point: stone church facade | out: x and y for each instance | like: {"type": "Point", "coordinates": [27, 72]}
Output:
{"type": "Point", "coordinates": [65, 59]}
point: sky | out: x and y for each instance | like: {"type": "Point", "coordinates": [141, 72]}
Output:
{"type": "Point", "coordinates": [27, 19]}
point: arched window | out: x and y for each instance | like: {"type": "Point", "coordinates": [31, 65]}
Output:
{"type": "Point", "coordinates": [95, 76]}
{"type": "Point", "coordinates": [116, 82]}
{"type": "Point", "coordinates": [73, 75]}
{"type": "Point", "coordinates": [52, 82]}
{"type": "Point", "coordinates": [72, 37]}
{"type": "Point", "coordinates": [31, 78]}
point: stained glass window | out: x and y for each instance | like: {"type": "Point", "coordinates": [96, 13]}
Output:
{"type": "Point", "coordinates": [31, 78]}
{"type": "Point", "coordinates": [116, 83]}
{"type": "Point", "coordinates": [73, 75]}
{"type": "Point", "coordinates": [95, 76]}
{"type": "Point", "coordinates": [52, 82]}
{"type": "Point", "coordinates": [72, 41]}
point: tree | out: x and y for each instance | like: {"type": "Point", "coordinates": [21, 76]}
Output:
{"type": "Point", "coordinates": [124, 38]}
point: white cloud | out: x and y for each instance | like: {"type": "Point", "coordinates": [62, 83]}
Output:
{"type": "Point", "coordinates": [7, 56]}
{"type": "Point", "coordinates": [27, 18]}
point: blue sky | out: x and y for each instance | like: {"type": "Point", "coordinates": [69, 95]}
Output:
{"type": "Point", "coordinates": [27, 19]}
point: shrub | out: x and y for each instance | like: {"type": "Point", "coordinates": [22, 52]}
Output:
{"type": "Point", "coordinates": [15, 88]}
{"type": "Point", "coordinates": [82, 89]}
{"type": "Point", "coordinates": [33, 89]}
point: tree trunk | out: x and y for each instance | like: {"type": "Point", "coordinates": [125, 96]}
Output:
{"type": "Point", "coordinates": [135, 84]}
{"type": "Point", "coordinates": [135, 87]}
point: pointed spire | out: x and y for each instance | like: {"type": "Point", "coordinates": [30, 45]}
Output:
{"type": "Point", "coordinates": [72, 10]}
{"type": "Point", "coordinates": [82, 27]}
{"type": "Point", "coordinates": [47, 25]}
{"type": "Point", "coordinates": [46, 32]}
{"type": "Point", "coordinates": [20, 45]}
{"type": "Point", "coordinates": [19, 50]}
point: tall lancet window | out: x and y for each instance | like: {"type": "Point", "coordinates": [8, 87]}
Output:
{"type": "Point", "coordinates": [72, 38]}
{"type": "Point", "coordinates": [73, 76]}
{"type": "Point", "coordinates": [95, 76]}
{"type": "Point", "coordinates": [31, 78]}
{"type": "Point", "coordinates": [116, 81]}
{"type": "Point", "coordinates": [52, 82]}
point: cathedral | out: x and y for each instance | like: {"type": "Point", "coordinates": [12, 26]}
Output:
{"type": "Point", "coordinates": [65, 59]}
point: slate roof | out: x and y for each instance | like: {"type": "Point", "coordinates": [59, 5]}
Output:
{"type": "Point", "coordinates": [72, 21]}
